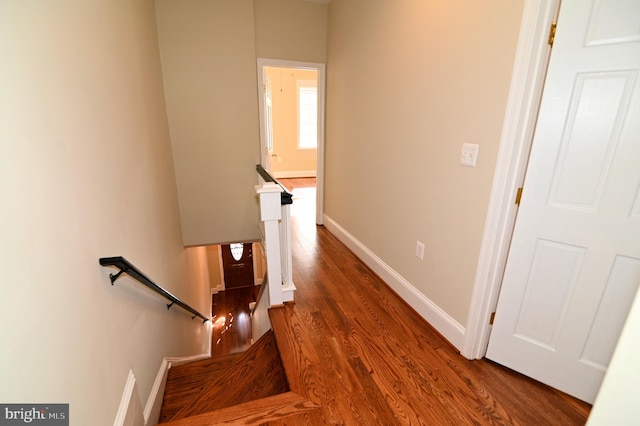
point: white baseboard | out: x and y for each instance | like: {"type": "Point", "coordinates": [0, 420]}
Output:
{"type": "Point", "coordinates": [186, 359]}
{"type": "Point", "coordinates": [130, 410]}
{"type": "Point", "coordinates": [452, 330]}
{"type": "Point", "coordinates": [154, 402]}
{"type": "Point", "coordinates": [294, 174]}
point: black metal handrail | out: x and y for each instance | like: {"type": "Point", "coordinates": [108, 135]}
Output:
{"type": "Point", "coordinates": [127, 268]}
{"type": "Point", "coordinates": [286, 197]}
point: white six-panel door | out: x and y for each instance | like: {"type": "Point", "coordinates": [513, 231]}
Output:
{"type": "Point", "coordinates": [574, 262]}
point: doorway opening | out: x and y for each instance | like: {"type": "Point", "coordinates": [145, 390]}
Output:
{"type": "Point", "coordinates": [291, 105]}
{"type": "Point", "coordinates": [304, 195]}
{"type": "Point", "coordinates": [236, 272]}
{"type": "Point", "coordinates": [237, 264]}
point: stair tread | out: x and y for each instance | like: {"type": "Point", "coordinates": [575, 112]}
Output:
{"type": "Point", "coordinates": [255, 374]}
{"type": "Point", "coordinates": [300, 360]}
{"type": "Point", "coordinates": [186, 381]}
{"type": "Point", "coordinates": [272, 410]}
{"type": "Point", "coordinates": [300, 417]}
{"type": "Point", "coordinates": [204, 366]}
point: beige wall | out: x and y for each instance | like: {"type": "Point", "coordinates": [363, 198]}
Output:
{"type": "Point", "coordinates": [86, 172]}
{"type": "Point", "coordinates": [209, 69]}
{"type": "Point", "coordinates": [293, 30]}
{"type": "Point", "coordinates": [209, 50]}
{"type": "Point", "coordinates": [215, 270]}
{"type": "Point", "coordinates": [289, 161]}
{"type": "Point", "coordinates": [408, 83]}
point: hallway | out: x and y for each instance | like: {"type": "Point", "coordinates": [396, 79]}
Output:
{"type": "Point", "coordinates": [368, 358]}
{"type": "Point", "coordinates": [353, 353]}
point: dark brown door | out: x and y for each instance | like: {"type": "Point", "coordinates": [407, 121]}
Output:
{"type": "Point", "coordinates": [237, 261]}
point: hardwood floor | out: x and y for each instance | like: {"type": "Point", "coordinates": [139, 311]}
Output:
{"type": "Point", "coordinates": [231, 320]}
{"type": "Point", "coordinates": [365, 357]}
{"type": "Point", "coordinates": [218, 383]}
{"type": "Point", "coordinates": [293, 183]}
{"type": "Point", "coordinates": [186, 382]}
{"type": "Point", "coordinates": [353, 353]}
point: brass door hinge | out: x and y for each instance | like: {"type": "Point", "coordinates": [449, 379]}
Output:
{"type": "Point", "coordinates": [518, 196]}
{"type": "Point", "coordinates": [552, 34]}
{"type": "Point", "coordinates": [493, 317]}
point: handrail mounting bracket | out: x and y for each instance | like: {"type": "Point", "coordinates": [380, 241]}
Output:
{"type": "Point", "coordinates": [114, 277]}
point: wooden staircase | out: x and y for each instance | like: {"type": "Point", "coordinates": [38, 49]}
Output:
{"type": "Point", "coordinates": [249, 388]}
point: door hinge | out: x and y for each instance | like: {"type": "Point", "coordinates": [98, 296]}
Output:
{"type": "Point", "coordinates": [552, 34]}
{"type": "Point", "coordinates": [493, 317]}
{"type": "Point", "coordinates": [518, 196]}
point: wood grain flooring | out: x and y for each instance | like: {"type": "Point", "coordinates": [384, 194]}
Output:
{"type": "Point", "coordinates": [185, 382]}
{"type": "Point", "coordinates": [222, 382]}
{"type": "Point", "coordinates": [351, 346]}
{"type": "Point", "coordinates": [354, 353]}
{"type": "Point", "coordinates": [231, 320]}
{"type": "Point", "coordinates": [279, 410]}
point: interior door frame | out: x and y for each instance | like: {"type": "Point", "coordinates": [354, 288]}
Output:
{"type": "Point", "coordinates": [525, 92]}
{"type": "Point", "coordinates": [320, 68]}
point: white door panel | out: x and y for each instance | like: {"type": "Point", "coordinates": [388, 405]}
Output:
{"type": "Point", "coordinates": [574, 261]}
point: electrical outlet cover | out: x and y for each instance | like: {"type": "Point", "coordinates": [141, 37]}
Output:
{"type": "Point", "coordinates": [469, 154]}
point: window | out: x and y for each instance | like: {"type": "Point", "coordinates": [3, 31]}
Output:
{"type": "Point", "coordinates": [237, 250]}
{"type": "Point", "coordinates": [307, 115]}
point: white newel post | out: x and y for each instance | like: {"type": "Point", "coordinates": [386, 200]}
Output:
{"type": "Point", "coordinates": [270, 215]}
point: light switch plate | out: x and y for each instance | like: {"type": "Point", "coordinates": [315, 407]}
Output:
{"type": "Point", "coordinates": [420, 250]}
{"type": "Point", "coordinates": [469, 154]}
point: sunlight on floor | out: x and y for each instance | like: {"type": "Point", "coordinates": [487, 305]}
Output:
{"type": "Point", "coordinates": [304, 203]}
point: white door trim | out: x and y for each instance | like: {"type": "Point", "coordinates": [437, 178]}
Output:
{"type": "Point", "coordinates": [320, 68]}
{"type": "Point", "coordinates": [527, 81]}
